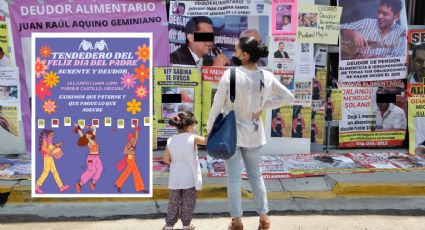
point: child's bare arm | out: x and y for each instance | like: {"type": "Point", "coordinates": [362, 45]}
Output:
{"type": "Point", "coordinates": [200, 140]}
{"type": "Point", "coordinates": [166, 157]}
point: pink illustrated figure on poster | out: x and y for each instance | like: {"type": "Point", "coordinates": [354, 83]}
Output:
{"type": "Point", "coordinates": [94, 164]}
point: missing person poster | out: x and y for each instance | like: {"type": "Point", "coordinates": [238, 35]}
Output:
{"type": "Point", "coordinates": [11, 128]}
{"type": "Point", "coordinates": [211, 76]}
{"type": "Point", "coordinates": [91, 119]}
{"type": "Point", "coordinates": [416, 125]}
{"type": "Point", "coordinates": [204, 33]}
{"type": "Point", "coordinates": [374, 114]}
{"type": "Point", "coordinates": [373, 40]}
{"type": "Point", "coordinates": [177, 89]}
{"type": "Point", "coordinates": [281, 125]}
{"type": "Point", "coordinates": [318, 24]}
{"type": "Point", "coordinates": [416, 63]}
{"type": "Point", "coordinates": [284, 56]}
{"type": "Point", "coordinates": [284, 19]}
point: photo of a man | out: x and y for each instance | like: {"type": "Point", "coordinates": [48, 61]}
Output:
{"type": "Point", "coordinates": [197, 52]}
{"type": "Point", "coordinates": [417, 75]}
{"type": "Point", "coordinates": [281, 53]}
{"type": "Point", "coordinates": [287, 81]}
{"type": "Point", "coordinates": [4, 92]}
{"type": "Point", "coordinates": [378, 37]}
{"type": "Point", "coordinates": [388, 116]}
{"type": "Point", "coordinates": [8, 93]}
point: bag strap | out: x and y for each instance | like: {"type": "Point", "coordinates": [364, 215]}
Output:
{"type": "Point", "coordinates": [232, 84]}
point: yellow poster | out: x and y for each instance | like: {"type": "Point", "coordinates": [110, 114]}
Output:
{"type": "Point", "coordinates": [318, 24]}
{"type": "Point", "coordinates": [286, 112]}
{"type": "Point", "coordinates": [416, 121]}
{"type": "Point", "coordinates": [317, 122]}
{"type": "Point", "coordinates": [336, 104]}
{"type": "Point", "coordinates": [177, 89]}
{"type": "Point", "coordinates": [211, 76]}
{"type": "Point", "coordinates": [374, 114]}
{"type": "Point", "coordinates": [9, 119]}
{"type": "Point", "coordinates": [319, 85]}
{"type": "Point", "coordinates": [154, 134]}
{"type": "Point", "coordinates": [7, 56]}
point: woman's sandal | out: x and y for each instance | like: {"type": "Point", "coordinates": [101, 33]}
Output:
{"type": "Point", "coordinates": [190, 227]}
{"type": "Point", "coordinates": [264, 224]}
{"type": "Point", "coordinates": [167, 228]}
{"type": "Point", "coordinates": [234, 226]}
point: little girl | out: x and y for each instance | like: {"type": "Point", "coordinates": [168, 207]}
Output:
{"type": "Point", "coordinates": [185, 173]}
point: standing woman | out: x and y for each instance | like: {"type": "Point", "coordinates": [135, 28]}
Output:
{"type": "Point", "coordinates": [94, 164]}
{"type": "Point", "coordinates": [255, 90]}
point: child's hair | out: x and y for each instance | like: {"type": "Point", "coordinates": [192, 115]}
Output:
{"type": "Point", "coordinates": [43, 135]}
{"type": "Point", "coordinates": [183, 120]}
{"type": "Point", "coordinates": [253, 48]}
{"type": "Point", "coordinates": [84, 141]}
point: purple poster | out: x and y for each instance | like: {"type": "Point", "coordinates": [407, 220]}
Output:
{"type": "Point", "coordinates": [29, 16]}
{"type": "Point", "coordinates": [91, 116]}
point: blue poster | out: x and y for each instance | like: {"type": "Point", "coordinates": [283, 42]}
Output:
{"type": "Point", "coordinates": [91, 116]}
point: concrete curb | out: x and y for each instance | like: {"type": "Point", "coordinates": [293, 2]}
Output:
{"type": "Point", "coordinates": [22, 193]}
{"type": "Point", "coordinates": [379, 189]}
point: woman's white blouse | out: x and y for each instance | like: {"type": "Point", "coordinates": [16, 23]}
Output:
{"type": "Point", "coordinates": [254, 92]}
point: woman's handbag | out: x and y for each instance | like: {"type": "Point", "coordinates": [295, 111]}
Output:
{"type": "Point", "coordinates": [222, 139]}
